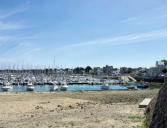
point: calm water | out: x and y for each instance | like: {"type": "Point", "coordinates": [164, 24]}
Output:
{"type": "Point", "coordinates": [46, 88]}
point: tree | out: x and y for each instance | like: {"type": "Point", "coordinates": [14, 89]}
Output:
{"type": "Point", "coordinates": [78, 70]}
{"type": "Point", "coordinates": [104, 69]}
{"type": "Point", "coordinates": [95, 70]}
{"type": "Point", "coordinates": [165, 61]}
{"type": "Point", "coordinates": [87, 69]}
{"type": "Point", "coordinates": [164, 70]}
{"type": "Point", "coordinates": [129, 70]}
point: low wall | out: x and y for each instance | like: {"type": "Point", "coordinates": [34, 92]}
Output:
{"type": "Point", "coordinates": [156, 113]}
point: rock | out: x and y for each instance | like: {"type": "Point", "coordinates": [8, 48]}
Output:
{"type": "Point", "coordinates": [59, 106]}
{"type": "Point", "coordinates": [38, 107]}
{"type": "Point", "coordinates": [51, 110]}
{"type": "Point", "coordinates": [156, 112]}
{"type": "Point", "coordinates": [71, 107]}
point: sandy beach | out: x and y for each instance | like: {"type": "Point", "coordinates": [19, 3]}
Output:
{"type": "Point", "coordinates": [82, 109]}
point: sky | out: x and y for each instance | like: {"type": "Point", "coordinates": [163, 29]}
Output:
{"type": "Point", "coordinates": [131, 33]}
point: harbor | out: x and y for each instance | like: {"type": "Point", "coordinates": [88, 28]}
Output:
{"type": "Point", "coordinates": [48, 88]}
{"type": "Point", "coordinates": [40, 81]}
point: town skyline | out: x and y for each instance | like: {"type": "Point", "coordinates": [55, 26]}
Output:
{"type": "Point", "coordinates": [53, 66]}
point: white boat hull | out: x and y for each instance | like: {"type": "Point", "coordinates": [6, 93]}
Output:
{"type": "Point", "coordinates": [30, 88]}
{"type": "Point", "coordinates": [54, 88]}
{"type": "Point", "coordinates": [63, 88]}
{"type": "Point", "coordinates": [105, 87]}
{"type": "Point", "coordinates": [6, 88]}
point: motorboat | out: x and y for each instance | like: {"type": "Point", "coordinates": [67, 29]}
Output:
{"type": "Point", "coordinates": [54, 86]}
{"type": "Point", "coordinates": [143, 85]}
{"type": "Point", "coordinates": [105, 86]}
{"type": "Point", "coordinates": [131, 87]}
{"type": "Point", "coordinates": [63, 86]}
{"type": "Point", "coordinates": [30, 87]}
{"type": "Point", "coordinates": [7, 87]}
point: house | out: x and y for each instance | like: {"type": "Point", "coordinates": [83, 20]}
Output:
{"type": "Point", "coordinates": [109, 70]}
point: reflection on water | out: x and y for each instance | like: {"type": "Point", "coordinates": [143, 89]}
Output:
{"type": "Point", "coordinates": [46, 88]}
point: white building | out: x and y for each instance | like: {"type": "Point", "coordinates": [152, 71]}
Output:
{"type": "Point", "coordinates": [116, 72]}
{"type": "Point", "coordinates": [157, 70]}
{"type": "Point", "coordinates": [99, 71]}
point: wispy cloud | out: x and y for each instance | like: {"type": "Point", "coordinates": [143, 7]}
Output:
{"type": "Point", "coordinates": [17, 52]}
{"type": "Point", "coordinates": [149, 16]}
{"type": "Point", "coordinates": [15, 47]}
{"type": "Point", "coordinates": [146, 19]}
{"type": "Point", "coordinates": [126, 39]}
{"type": "Point", "coordinates": [9, 13]}
{"type": "Point", "coordinates": [4, 38]}
{"type": "Point", "coordinates": [6, 22]}
{"type": "Point", "coordinates": [10, 26]}
{"type": "Point", "coordinates": [130, 19]}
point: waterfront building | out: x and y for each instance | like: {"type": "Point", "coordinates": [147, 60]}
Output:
{"type": "Point", "coordinates": [99, 71]}
{"type": "Point", "coordinates": [116, 72]}
{"type": "Point", "coordinates": [157, 70]}
{"type": "Point", "coordinates": [109, 70]}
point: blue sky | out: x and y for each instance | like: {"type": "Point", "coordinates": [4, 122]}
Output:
{"type": "Point", "coordinates": [128, 33]}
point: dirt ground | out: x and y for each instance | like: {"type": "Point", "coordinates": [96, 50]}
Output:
{"type": "Point", "coordinates": [83, 109]}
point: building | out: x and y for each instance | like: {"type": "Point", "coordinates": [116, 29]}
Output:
{"type": "Point", "coordinates": [99, 71]}
{"type": "Point", "coordinates": [109, 70]}
{"type": "Point", "coordinates": [116, 72]}
{"type": "Point", "coordinates": [157, 70]}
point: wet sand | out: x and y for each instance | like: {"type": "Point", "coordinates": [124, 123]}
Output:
{"type": "Point", "coordinates": [83, 109]}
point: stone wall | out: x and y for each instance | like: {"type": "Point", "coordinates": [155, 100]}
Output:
{"type": "Point", "coordinates": [156, 113]}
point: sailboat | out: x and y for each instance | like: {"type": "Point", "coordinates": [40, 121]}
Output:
{"type": "Point", "coordinates": [6, 87]}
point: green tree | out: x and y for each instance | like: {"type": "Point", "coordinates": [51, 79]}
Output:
{"type": "Point", "coordinates": [104, 69]}
{"type": "Point", "coordinates": [95, 71]}
{"type": "Point", "coordinates": [164, 70]}
{"type": "Point", "coordinates": [78, 70]}
{"type": "Point", "coordinates": [165, 61]}
{"type": "Point", "coordinates": [88, 69]}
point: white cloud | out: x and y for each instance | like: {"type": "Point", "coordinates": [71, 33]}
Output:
{"type": "Point", "coordinates": [126, 39]}
{"type": "Point", "coordinates": [10, 26]}
{"type": "Point", "coordinates": [131, 19]}
{"type": "Point", "coordinates": [145, 19]}
{"type": "Point", "coordinates": [6, 17]}
{"type": "Point", "coordinates": [4, 38]}
{"type": "Point", "coordinates": [6, 14]}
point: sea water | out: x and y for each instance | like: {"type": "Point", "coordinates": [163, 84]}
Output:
{"type": "Point", "coordinates": [46, 88]}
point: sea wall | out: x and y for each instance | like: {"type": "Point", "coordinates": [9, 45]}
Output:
{"type": "Point", "coordinates": [156, 112]}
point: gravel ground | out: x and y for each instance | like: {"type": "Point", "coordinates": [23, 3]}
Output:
{"type": "Point", "coordinates": [83, 109]}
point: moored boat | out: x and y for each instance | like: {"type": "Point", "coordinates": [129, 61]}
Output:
{"type": "Point", "coordinates": [63, 86]}
{"type": "Point", "coordinates": [143, 85]}
{"type": "Point", "coordinates": [54, 86]}
{"type": "Point", "coordinates": [7, 87]}
{"type": "Point", "coordinates": [30, 87]}
{"type": "Point", "coordinates": [105, 86]}
{"type": "Point", "coordinates": [131, 87]}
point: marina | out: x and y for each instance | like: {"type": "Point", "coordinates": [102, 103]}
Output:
{"type": "Point", "coordinates": [40, 81]}
{"type": "Point", "coordinates": [50, 88]}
